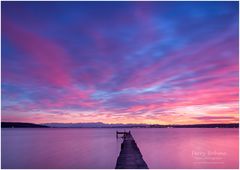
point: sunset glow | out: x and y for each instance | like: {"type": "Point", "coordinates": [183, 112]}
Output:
{"type": "Point", "coordinates": [120, 62]}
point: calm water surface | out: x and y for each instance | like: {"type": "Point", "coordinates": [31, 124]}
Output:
{"type": "Point", "coordinates": [99, 148]}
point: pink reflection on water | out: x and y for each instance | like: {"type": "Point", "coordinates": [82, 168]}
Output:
{"type": "Point", "coordinates": [59, 148]}
{"type": "Point", "coordinates": [189, 148]}
{"type": "Point", "coordinates": [99, 148]}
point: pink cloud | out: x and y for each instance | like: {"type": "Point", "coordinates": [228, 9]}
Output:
{"type": "Point", "coordinates": [195, 58]}
{"type": "Point", "coordinates": [49, 62]}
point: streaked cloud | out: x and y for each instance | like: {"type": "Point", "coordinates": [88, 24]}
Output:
{"type": "Point", "coordinates": [120, 62]}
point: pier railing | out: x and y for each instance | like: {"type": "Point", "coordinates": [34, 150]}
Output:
{"type": "Point", "coordinates": [122, 134]}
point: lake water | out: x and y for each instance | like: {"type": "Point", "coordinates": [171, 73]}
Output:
{"type": "Point", "coordinates": [99, 148]}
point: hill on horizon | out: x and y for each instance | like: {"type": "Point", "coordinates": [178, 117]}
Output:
{"type": "Point", "coordinates": [103, 125]}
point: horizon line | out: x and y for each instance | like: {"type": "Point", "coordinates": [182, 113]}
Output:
{"type": "Point", "coordinates": [125, 123]}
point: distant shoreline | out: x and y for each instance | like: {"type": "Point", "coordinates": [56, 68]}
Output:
{"type": "Point", "coordinates": [102, 125]}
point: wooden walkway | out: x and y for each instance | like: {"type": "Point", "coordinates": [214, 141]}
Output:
{"type": "Point", "coordinates": [130, 156]}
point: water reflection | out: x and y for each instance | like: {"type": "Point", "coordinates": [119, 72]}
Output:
{"type": "Point", "coordinates": [189, 148]}
{"type": "Point", "coordinates": [99, 148]}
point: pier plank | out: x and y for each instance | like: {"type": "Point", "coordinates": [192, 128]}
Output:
{"type": "Point", "coordinates": [130, 156]}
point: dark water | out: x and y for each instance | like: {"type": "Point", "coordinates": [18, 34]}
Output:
{"type": "Point", "coordinates": [99, 148]}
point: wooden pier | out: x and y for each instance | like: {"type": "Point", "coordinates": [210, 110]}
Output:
{"type": "Point", "coordinates": [130, 156]}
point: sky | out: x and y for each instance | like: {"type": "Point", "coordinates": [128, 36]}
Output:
{"type": "Point", "coordinates": [120, 62]}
